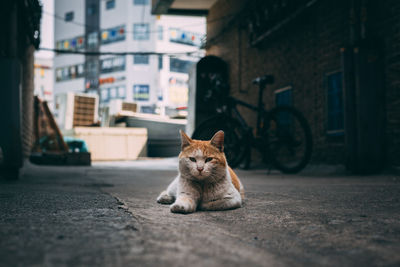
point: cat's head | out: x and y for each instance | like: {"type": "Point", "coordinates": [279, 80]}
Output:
{"type": "Point", "coordinates": [202, 159]}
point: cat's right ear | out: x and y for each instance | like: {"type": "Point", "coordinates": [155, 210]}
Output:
{"type": "Point", "coordinates": [218, 140]}
{"type": "Point", "coordinates": [185, 140]}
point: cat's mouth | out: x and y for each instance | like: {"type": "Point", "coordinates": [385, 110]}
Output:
{"type": "Point", "coordinates": [200, 175]}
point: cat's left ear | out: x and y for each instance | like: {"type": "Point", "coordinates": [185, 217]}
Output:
{"type": "Point", "coordinates": [185, 140]}
{"type": "Point", "coordinates": [218, 140]}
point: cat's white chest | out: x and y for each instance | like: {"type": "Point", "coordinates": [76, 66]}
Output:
{"type": "Point", "coordinates": [222, 190]}
{"type": "Point", "coordinates": [219, 197]}
{"type": "Point", "coordinates": [213, 191]}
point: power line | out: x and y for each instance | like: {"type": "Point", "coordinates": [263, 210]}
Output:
{"type": "Point", "coordinates": [90, 53]}
{"type": "Point", "coordinates": [61, 18]}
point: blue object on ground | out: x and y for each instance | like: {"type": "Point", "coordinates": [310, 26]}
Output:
{"type": "Point", "coordinates": [76, 144]}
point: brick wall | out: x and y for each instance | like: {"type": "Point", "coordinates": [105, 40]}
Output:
{"type": "Point", "coordinates": [300, 55]}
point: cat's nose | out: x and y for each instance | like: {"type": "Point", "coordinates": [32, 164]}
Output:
{"type": "Point", "coordinates": [200, 169]}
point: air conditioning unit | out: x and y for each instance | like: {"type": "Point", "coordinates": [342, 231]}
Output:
{"type": "Point", "coordinates": [120, 107]}
{"type": "Point", "coordinates": [75, 109]}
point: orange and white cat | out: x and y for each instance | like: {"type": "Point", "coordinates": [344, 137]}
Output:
{"type": "Point", "coordinates": [205, 181]}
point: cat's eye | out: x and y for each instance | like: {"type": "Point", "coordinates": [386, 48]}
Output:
{"type": "Point", "coordinates": [192, 159]}
{"type": "Point", "coordinates": [209, 159]}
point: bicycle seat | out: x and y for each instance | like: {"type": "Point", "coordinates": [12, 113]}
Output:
{"type": "Point", "coordinates": [263, 80]}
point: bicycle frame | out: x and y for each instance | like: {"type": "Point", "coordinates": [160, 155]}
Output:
{"type": "Point", "coordinates": [259, 109]}
{"type": "Point", "coordinates": [275, 132]}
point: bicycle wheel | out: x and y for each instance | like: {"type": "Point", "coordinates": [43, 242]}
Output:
{"type": "Point", "coordinates": [235, 141]}
{"type": "Point", "coordinates": [288, 139]}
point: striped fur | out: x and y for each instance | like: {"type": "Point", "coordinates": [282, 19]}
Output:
{"type": "Point", "coordinates": [205, 180]}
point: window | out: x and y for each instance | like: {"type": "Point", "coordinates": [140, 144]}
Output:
{"type": "Point", "coordinates": [160, 95]}
{"type": "Point", "coordinates": [93, 40]}
{"type": "Point", "coordinates": [147, 109]}
{"type": "Point", "coordinates": [112, 35]}
{"type": "Point", "coordinates": [92, 83]}
{"type": "Point", "coordinates": [121, 92]}
{"type": "Point", "coordinates": [104, 95]}
{"type": "Point", "coordinates": [58, 74]}
{"type": "Point", "coordinates": [141, 59]}
{"type": "Point", "coordinates": [110, 4]}
{"type": "Point", "coordinates": [72, 72]}
{"type": "Point", "coordinates": [65, 73]}
{"type": "Point", "coordinates": [91, 10]}
{"type": "Point", "coordinates": [140, 2]}
{"type": "Point", "coordinates": [160, 62]}
{"type": "Point", "coordinates": [283, 96]}
{"type": "Point", "coordinates": [92, 67]}
{"type": "Point", "coordinates": [141, 31]}
{"type": "Point", "coordinates": [335, 117]}
{"type": "Point", "coordinates": [160, 32]}
{"type": "Point", "coordinates": [80, 69]}
{"type": "Point", "coordinates": [113, 92]}
{"type": "Point", "coordinates": [178, 65]}
{"type": "Point", "coordinates": [141, 92]}
{"type": "Point", "coordinates": [69, 72]}
{"type": "Point", "coordinates": [69, 16]}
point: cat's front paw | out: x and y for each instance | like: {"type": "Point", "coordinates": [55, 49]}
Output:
{"type": "Point", "coordinates": [164, 198]}
{"type": "Point", "coordinates": [183, 206]}
{"type": "Point", "coordinates": [178, 208]}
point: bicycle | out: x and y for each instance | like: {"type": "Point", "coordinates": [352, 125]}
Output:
{"type": "Point", "coordinates": [282, 136]}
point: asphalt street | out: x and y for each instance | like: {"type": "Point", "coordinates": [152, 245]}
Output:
{"type": "Point", "coordinates": [107, 215]}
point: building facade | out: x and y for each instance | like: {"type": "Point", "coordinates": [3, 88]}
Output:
{"type": "Point", "coordinates": [44, 80]}
{"type": "Point", "coordinates": [148, 77]}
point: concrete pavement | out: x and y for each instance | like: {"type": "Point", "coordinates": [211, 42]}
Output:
{"type": "Point", "coordinates": [106, 215]}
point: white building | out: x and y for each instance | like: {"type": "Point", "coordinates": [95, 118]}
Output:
{"type": "Point", "coordinates": [124, 26]}
{"type": "Point", "coordinates": [43, 62]}
{"type": "Point", "coordinates": [44, 80]}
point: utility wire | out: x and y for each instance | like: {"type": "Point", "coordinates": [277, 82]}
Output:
{"type": "Point", "coordinates": [90, 53]}
{"type": "Point", "coordinates": [72, 21]}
